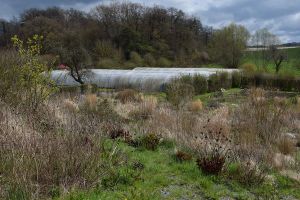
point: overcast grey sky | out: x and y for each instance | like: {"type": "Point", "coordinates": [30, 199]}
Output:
{"type": "Point", "coordinates": [280, 16]}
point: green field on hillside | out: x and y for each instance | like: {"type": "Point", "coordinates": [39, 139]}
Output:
{"type": "Point", "coordinates": [289, 67]}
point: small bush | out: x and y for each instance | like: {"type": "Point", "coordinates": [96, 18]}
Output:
{"type": "Point", "coordinates": [108, 63]}
{"type": "Point", "coordinates": [179, 93]}
{"type": "Point", "coordinates": [128, 95]}
{"type": "Point", "coordinates": [195, 106]}
{"type": "Point", "coordinates": [236, 79]}
{"type": "Point", "coordinates": [214, 83]}
{"type": "Point", "coordinates": [163, 62]}
{"type": "Point", "coordinates": [150, 141]}
{"type": "Point", "coordinates": [226, 80]}
{"type": "Point", "coordinates": [182, 156]}
{"type": "Point", "coordinates": [129, 65]}
{"type": "Point", "coordinates": [211, 165]}
{"type": "Point", "coordinates": [214, 152]}
{"type": "Point", "coordinates": [218, 81]}
{"type": "Point", "coordinates": [200, 57]}
{"type": "Point", "coordinates": [119, 169]}
{"type": "Point", "coordinates": [200, 84]}
{"type": "Point", "coordinates": [187, 79]}
{"type": "Point", "coordinates": [136, 58]}
{"type": "Point", "coordinates": [25, 78]}
{"type": "Point", "coordinates": [249, 68]}
{"type": "Point", "coordinates": [149, 60]}
{"type": "Point", "coordinates": [246, 173]}
{"type": "Point", "coordinates": [120, 133]}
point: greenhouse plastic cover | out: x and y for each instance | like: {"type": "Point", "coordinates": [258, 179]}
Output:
{"type": "Point", "coordinates": [150, 79]}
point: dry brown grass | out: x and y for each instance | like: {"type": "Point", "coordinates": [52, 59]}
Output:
{"type": "Point", "coordinates": [71, 105]}
{"type": "Point", "coordinates": [281, 161]}
{"type": "Point", "coordinates": [34, 163]}
{"type": "Point", "coordinates": [259, 119]}
{"type": "Point", "coordinates": [90, 101]}
{"type": "Point", "coordinates": [145, 109]}
{"type": "Point", "coordinates": [128, 95]}
{"type": "Point", "coordinates": [286, 146]}
{"type": "Point", "coordinates": [41, 152]}
{"type": "Point", "coordinates": [195, 106]}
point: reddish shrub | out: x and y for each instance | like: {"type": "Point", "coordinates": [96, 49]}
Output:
{"type": "Point", "coordinates": [183, 156]}
{"type": "Point", "coordinates": [211, 165]}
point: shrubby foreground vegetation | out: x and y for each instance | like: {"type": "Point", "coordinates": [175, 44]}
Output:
{"type": "Point", "coordinates": [185, 143]}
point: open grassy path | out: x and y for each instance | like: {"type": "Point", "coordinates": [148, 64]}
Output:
{"type": "Point", "coordinates": [162, 177]}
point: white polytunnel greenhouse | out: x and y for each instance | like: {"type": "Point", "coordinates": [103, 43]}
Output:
{"type": "Point", "coordinates": [149, 79]}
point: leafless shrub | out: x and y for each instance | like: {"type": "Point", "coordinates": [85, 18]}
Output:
{"type": "Point", "coordinates": [259, 120]}
{"type": "Point", "coordinates": [247, 173]}
{"type": "Point", "coordinates": [213, 150]}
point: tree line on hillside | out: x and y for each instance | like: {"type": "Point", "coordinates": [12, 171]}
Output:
{"type": "Point", "coordinates": [116, 32]}
{"type": "Point", "coordinates": [126, 35]}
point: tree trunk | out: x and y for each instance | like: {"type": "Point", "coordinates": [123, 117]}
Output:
{"type": "Point", "coordinates": [82, 89]}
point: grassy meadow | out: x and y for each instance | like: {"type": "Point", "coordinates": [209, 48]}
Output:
{"type": "Point", "coordinates": [290, 67]}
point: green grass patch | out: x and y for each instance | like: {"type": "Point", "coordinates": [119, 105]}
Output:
{"type": "Point", "coordinates": [290, 67]}
{"type": "Point", "coordinates": [165, 178]}
{"type": "Point", "coordinates": [229, 96]}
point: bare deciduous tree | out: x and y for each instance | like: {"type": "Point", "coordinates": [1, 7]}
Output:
{"type": "Point", "coordinates": [73, 54]}
{"type": "Point", "coordinates": [263, 39]}
{"type": "Point", "coordinates": [277, 56]}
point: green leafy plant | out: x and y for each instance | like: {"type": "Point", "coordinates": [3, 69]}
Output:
{"type": "Point", "coordinates": [236, 79]}
{"type": "Point", "coordinates": [179, 93]}
{"type": "Point", "coordinates": [35, 80]}
{"type": "Point", "coordinates": [200, 84]}
{"type": "Point", "coordinates": [150, 141]}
